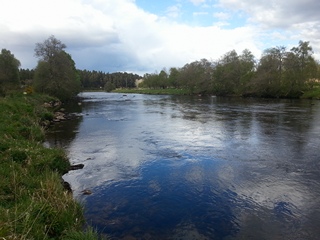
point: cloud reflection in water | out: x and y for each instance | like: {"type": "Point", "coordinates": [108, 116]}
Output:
{"type": "Point", "coordinates": [165, 167]}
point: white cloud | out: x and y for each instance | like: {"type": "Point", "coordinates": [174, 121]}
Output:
{"type": "Point", "coordinates": [221, 15]}
{"type": "Point", "coordinates": [278, 14]}
{"type": "Point", "coordinates": [174, 11]}
{"type": "Point", "coordinates": [200, 13]}
{"type": "Point", "coordinates": [197, 2]}
{"type": "Point", "coordinates": [116, 35]}
{"type": "Point", "coordinates": [294, 20]}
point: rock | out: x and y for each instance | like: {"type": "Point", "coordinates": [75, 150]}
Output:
{"type": "Point", "coordinates": [47, 105]}
{"type": "Point", "coordinates": [56, 103]}
{"type": "Point", "coordinates": [52, 104]}
{"type": "Point", "coordinates": [86, 192]}
{"type": "Point", "coordinates": [59, 116]}
{"type": "Point", "coordinates": [67, 186]}
{"type": "Point", "coordinates": [76, 167]}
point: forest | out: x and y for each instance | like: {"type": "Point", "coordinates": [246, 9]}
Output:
{"type": "Point", "coordinates": [93, 80]}
{"type": "Point", "coordinates": [107, 81]}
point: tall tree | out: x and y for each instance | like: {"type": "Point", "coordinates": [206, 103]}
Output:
{"type": "Point", "coordinates": [55, 73]}
{"type": "Point", "coordinates": [247, 70]}
{"type": "Point", "coordinates": [196, 76]}
{"type": "Point", "coordinates": [163, 79]}
{"type": "Point", "coordinates": [9, 71]}
{"type": "Point", "coordinates": [227, 74]}
{"type": "Point", "coordinates": [173, 77]}
{"type": "Point", "coordinates": [49, 48]}
{"type": "Point", "coordinates": [268, 79]}
{"type": "Point", "coordinates": [300, 68]}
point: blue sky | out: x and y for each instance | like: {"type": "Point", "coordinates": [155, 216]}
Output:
{"type": "Point", "coordinates": [144, 36]}
{"type": "Point", "coordinates": [194, 13]}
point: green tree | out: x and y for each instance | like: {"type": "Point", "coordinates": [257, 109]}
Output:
{"type": "Point", "coordinates": [163, 79]}
{"type": "Point", "coordinates": [26, 75]}
{"type": "Point", "coordinates": [247, 68]}
{"type": "Point", "coordinates": [55, 73]}
{"type": "Point", "coordinates": [196, 76]}
{"type": "Point", "coordinates": [9, 71]}
{"type": "Point", "coordinates": [269, 76]}
{"type": "Point", "coordinates": [300, 68]}
{"type": "Point", "coordinates": [151, 81]}
{"type": "Point", "coordinates": [49, 48]}
{"type": "Point", "coordinates": [173, 77]}
{"type": "Point", "coordinates": [109, 86]}
{"type": "Point", "coordinates": [233, 73]}
{"type": "Point", "coordinates": [227, 74]}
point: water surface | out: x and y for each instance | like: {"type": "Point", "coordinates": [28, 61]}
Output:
{"type": "Point", "coordinates": [181, 167]}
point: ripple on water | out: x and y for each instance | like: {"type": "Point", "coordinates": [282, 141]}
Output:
{"type": "Point", "coordinates": [167, 167]}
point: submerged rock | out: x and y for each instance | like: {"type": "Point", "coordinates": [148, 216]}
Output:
{"type": "Point", "coordinates": [76, 167]}
{"type": "Point", "coordinates": [86, 192]}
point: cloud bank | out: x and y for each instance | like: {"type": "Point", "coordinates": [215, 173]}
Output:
{"type": "Point", "coordinates": [118, 35]}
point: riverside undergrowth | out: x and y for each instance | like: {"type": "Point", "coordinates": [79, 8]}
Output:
{"type": "Point", "coordinates": [33, 202]}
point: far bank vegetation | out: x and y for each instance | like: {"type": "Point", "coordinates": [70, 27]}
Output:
{"type": "Point", "coordinates": [280, 73]}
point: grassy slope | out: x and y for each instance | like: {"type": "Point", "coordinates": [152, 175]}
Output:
{"type": "Point", "coordinates": [33, 203]}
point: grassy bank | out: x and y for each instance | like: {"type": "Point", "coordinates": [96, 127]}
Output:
{"type": "Point", "coordinates": [33, 202]}
{"type": "Point", "coordinates": [310, 94]}
{"type": "Point", "coordinates": [166, 91]}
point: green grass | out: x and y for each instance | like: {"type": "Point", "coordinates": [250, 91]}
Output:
{"type": "Point", "coordinates": [166, 91]}
{"type": "Point", "coordinates": [89, 234]}
{"type": "Point", "coordinates": [33, 203]}
{"type": "Point", "coordinates": [312, 94]}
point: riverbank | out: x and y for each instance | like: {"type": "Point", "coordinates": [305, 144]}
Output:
{"type": "Point", "coordinates": [160, 91]}
{"type": "Point", "coordinates": [33, 201]}
{"type": "Point", "coordinates": [311, 94]}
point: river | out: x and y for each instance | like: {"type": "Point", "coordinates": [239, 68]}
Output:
{"type": "Point", "coordinates": [192, 167]}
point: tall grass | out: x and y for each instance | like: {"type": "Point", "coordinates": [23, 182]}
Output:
{"type": "Point", "coordinates": [33, 202]}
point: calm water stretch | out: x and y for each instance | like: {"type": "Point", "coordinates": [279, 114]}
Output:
{"type": "Point", "coordinates": [181, 167]}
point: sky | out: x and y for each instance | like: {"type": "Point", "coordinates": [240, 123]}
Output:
{"type": "Point", "coordinates": [146, 36]}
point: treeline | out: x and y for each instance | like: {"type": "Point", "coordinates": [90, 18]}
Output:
{"type": "Point", "coordinates": [107, 81]}
{"type": "Point", "coordinates": [278, 73]}
{"type": "Point", "coordinates": [91, 80]}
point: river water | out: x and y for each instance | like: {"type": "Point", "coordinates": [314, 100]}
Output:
{"type": "Point", "coordinates": [182, 167]}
